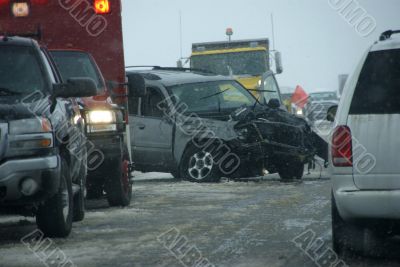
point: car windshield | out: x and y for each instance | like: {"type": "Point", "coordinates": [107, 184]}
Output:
{"type": "Point", "coordinates": [77, 65]}
{"type": "Point", "coordinates": [20, 71]}
{"type": "Point", "coordinates": [243, 63]}
{"type": "Point", "coordinates": [323, 96]}
{"type": "Point", "coordinates": [212, 96]}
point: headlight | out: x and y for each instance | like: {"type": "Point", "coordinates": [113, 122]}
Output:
{"type": "Point", "coordinates": [29, 126]}
{"type": "Point", "coordinates": [299, 112]}
{"type": "Point", "coordinates": [28, 136]}
{"type": "Point", "coordinates": [101, 117]}
{"type": "Point", "coordinates": [101, 121]}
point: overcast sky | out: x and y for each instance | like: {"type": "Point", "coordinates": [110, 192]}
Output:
{"type": "Point", "coordinates": [316, 42]}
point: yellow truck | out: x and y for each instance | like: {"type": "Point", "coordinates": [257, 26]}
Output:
{"type": "Point", "coordinates": [246, 60]}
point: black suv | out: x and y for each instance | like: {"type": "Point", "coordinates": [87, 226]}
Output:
{"type": "Point", "coordinates": [42, 146]}
{"type": "Point", "coordinates": [201, 127]}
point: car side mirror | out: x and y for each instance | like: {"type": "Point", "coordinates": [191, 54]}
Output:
{"type": "Point", "coordinates": [278, 62]}
{"type": "Point", "coordinates": [274, 103]}
{"type": "Point", "coordinates": [75, 87]}
{"type": "Point", "coordinates": [136, 85]}
{"type": "Point", "coordinates": [331, 114]}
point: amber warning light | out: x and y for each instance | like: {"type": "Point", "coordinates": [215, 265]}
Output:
{"type": "Point", "coordinates": [20, 9]}
{"type": "Point", "coordinates": [102, 6]}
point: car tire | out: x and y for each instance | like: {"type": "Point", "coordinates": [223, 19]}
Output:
{"type": "Point", "coordinates": [291, 169]}
{"type": "Point", "coordinates": [118, 185]}
{"type": "Point", "coordinates": [80, 198]}
{"type": "Point", "coordinates": [198, 166]}
{"type": "Point", "coordinates": [54, 217]}
{"type": "Point", "coordinates": [346, 236]}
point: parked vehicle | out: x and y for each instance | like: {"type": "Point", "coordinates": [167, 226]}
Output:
{"type": "Point", "coordinates": [201, 127]}
{"type": "Point", "coordinates": [318, 104]}
{"type": "Point", "coordinates": [364, 153]}
{"type": "Point", "coordinates": [42, 142]}
{"type": "Point", "coordinates": [81, 35]}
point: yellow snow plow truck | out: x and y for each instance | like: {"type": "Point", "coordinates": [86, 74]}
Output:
{"type": "Point", "coordinates": [246, 60]}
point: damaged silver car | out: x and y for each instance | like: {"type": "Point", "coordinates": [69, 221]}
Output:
{"type": "Point", "coordinates": [201, 127]}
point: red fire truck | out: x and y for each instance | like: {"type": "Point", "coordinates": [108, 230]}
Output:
{"type": "Point", "coordinates": [86, 32]}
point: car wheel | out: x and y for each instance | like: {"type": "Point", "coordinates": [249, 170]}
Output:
{"type": "Point", "coordinates": [346, 236]}
{"type": "Point", "coordinates": [199, 166]}
{"type": "Point", "coordinates": [291, 169]}
{"type": "Point", "coordinates": [79, 198]}
{"type": "Point", "coordinates": [54, 217]}
{"type": "Point", "coordinates": [119, 187]}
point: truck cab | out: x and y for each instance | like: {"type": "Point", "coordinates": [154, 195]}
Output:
{"type": "Point", "coordinates": [43, 155]}
{"type": "Point", "coordinates": [86, 40]}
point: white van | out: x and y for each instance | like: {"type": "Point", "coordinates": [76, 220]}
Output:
{"type": "Point", "coordinates": [364, 154]}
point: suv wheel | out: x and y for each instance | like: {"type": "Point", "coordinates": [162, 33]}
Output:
{"type": "Point", "coordinates": [54, 217]}
{"type": "Point", "coordinates": [346, 236]}
{"type": "Point", "coordinates": [199, 166]}
{"type": "Point", "coordinates": [119, 187]}
{"type": "Point", "coordinates": [291, 169]}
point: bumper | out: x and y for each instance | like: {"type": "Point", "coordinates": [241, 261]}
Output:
{"type": "Point", "coordinates": [45, 171]}
{"type": "Point", "coordinates": [355, 204]}
{"type": "Point", "coordinates": [103, 149]}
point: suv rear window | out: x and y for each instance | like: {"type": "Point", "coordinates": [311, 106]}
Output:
{"type": "Point", "coordinates": [378, 88]}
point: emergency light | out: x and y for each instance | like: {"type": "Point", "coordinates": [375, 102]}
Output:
{"type": "Point", "coordinates": [102, 6]}
{"type": "Point", "coordinates": [20, 9]}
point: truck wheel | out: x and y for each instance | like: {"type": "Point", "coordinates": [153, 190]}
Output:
{"type": "Point", "coordinates": [119, 187]}
{"type": "Point", "coordinates": [54, 217]}
{"type": "Point", "coordinates": [346, 236]}
{"type": "Point", "coordinates": [291, 169]}
{"type": "Point", "coordinates": [79, 198]}
{"type": "Point", "coordinates": [199, 166]}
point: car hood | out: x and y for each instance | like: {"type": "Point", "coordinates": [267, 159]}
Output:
{"type": "Point", "coordinates": [15, 110]}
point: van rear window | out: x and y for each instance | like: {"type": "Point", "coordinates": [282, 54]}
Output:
{"type": "Point", "coordinates": [378, 87]}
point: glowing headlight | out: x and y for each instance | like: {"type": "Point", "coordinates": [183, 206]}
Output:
{"type": "Point", "coordinates": [101, 121]}
{"type": "Point", "coordinates": [101, 117]}
{"type": "Point", "coordinates": [299, 112]}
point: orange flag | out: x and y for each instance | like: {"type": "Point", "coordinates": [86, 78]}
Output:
{"type": "Point", "coordinates": [299, 97]}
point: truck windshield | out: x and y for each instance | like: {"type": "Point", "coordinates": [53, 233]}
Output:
{"type": "Point", "coordinates": [73, 64]}
{"type": "Point", "coordinates": [253, 63]}
{"type": "Point", "coordinates": [212, 96]}
{"type": "Point", "coordinates": [20, 72]}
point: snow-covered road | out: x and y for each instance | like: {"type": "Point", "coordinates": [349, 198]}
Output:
{"type": "Point", "coordinates": [245, 223]}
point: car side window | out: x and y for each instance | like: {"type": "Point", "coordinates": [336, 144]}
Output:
{"type": "Point", "coordinates": [150, 107]}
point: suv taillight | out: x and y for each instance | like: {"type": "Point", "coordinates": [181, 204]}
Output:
{"type": "Point", "coordinates": [342, 148]}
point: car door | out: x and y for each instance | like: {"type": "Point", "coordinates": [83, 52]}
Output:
{"type": "Point", "coordinates": [374, 122]}
{"type": "Point", "coordinates": [151, 133]}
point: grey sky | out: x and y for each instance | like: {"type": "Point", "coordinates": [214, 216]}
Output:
{"type": "Point", "coordinates": [316, 42]}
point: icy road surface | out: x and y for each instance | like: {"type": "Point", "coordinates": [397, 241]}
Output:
{"type": "Point", "coordinates": [227, 224]}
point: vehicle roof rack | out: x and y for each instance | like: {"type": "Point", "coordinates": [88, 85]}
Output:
{"type": "Point", "coordinates": [387, 34]}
